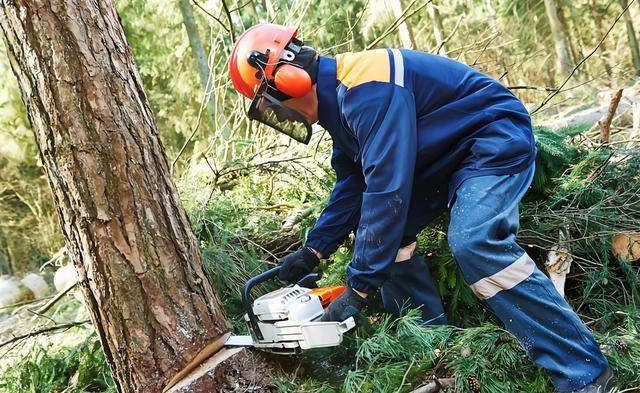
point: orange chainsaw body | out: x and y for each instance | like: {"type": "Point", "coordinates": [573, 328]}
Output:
{"type": "Point", "coordinates": [328, 294]}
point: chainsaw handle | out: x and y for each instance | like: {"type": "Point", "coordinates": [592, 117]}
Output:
{"type": "Point", "coordinates": [308, 281]}
{"type": "Point", "coordinates": [247, 301]}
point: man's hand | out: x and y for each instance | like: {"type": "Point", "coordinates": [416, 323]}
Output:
{"type": "Point", "coordinates": [346, 305]}
{"type": "Point", "coordinates": [298, 264]}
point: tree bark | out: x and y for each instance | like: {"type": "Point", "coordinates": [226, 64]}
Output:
{"type": "Point", "coordinates": [631, 36]}
{"type": "Point", "coordinates": [560, 41]}
{"type": "Point", "coordinates": [129, 238]}
{"type": "Point", "coordinates": [190, 25]}
{"type": "Point", "coordinates": [404, 30]}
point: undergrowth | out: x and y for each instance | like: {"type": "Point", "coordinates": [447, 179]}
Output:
{"type": "Point", "coordinates": [587, 193]}
{"type": "Point", "coordinates": [69, 369]}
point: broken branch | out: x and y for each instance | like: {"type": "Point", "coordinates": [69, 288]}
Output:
{"type": "Point", "coordinates": [436, 385]}
{"type": "Point", "coordinates": [43, 331]}
{"type": "Point", "coordinates": [55, 299]}
{"type": "Point", "coordinates": [605, 122]}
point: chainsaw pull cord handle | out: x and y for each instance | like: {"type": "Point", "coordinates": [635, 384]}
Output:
{"type": "Point", "coordinates": [308, 281]}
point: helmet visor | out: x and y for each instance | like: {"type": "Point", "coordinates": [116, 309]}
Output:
{"type": "Point", "coordinates": [268, 110]}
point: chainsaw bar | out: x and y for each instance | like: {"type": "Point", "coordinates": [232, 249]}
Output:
{"type": "Point", "coordinates": [239, 341]}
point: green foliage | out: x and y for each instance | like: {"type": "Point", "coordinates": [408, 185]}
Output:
{"type": "Point", "coordinates": [622, 348]}
{"type": "Point", "coordinates": [239, 230]}
{"type": "Point", "coordinates": [398, 349]}
{"type": "Point", "coordinates": [45, 369]}
{"type": "Point", "coordinates": [555, 154]}
{"type": "Point", "coordinates": [495, 359]}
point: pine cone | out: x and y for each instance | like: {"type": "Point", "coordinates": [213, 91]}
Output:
{"type": "Point", "coordinates": [620, 346]}
{"type": "Point", "coordinates": [473, 383]}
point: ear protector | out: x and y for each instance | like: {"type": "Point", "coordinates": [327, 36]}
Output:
{"type": "Point", "coordinates": [292, 81]}
{"type": "Point", "coordinates": [289, 78]}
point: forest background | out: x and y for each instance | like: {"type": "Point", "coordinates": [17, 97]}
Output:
{"type": "Point", "coordinates": [251, 195]}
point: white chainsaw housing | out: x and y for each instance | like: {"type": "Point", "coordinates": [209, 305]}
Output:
{"type": "Point", "coordinates": [288, 319]}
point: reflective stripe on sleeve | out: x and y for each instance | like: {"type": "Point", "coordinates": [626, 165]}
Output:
{"type": "Point", "coordinates": [506, 278]}
{"type": "Point", "coordinates": [398, 65]}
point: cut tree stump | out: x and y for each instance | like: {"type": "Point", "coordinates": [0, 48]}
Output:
{"type": "Point", "coordinates": [626, 246]}
{"type": "Point", "coordinates": [228, 370]}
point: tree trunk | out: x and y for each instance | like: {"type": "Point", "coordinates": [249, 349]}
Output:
{"type": "Point", "coordinates": [564, 24]}
{"type": "Point", "coordinates": [189, 22]}
{"type": "Point", "coordinates": [438, 29]}
{"type": "Point", "coordinates": [405, 30]}
{"type": "Point", "coordinates": [129, 238]}
{"type": "Point", "coordinates": [560, 41]}
{"type": "Point", "coordinates": [597, 21]}
{"type": "Point", "coordinates": [631, 35]}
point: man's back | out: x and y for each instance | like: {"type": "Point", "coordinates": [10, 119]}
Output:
{"type": "Point", "coordinates": [468, 124]}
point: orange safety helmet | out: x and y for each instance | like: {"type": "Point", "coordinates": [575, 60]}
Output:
{"type": "Point", "coordinates": [270, 41]}
{"type": "Point", "coordinates": [269, 65]}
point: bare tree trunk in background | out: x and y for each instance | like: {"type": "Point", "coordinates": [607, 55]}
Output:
{"type": "Point", "coordinates": [137, 258]}
{"type": "Point", "coordinates": [491, 9]}
{"type": "Point", "coordinates": [597, 21]}
{"type": "Point", "coordinates": [631, 35]}
{"type": "Point", "coordinates": [271, 12]}
{"type": "Point", "coordinates": [560, 41]}
{"type": "Point", "coordinates": [577, 21]}
{"type": "Point", "coordinates": [438, 29]}
{"type": "Point", "coordinates": [566, 32]}
{"type": "Point", "coordinates": [405, 30]}
{"type": "Point", "coordinates": [251, 9]}
{"type": "Point", "coordinates": [189, 22]}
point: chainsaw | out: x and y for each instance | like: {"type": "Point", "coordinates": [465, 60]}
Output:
{"type": "Point", "coordinates": [287, 320]}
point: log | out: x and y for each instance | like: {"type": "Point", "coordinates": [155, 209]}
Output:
{"type": "Point", "coordinates": [635, 130]}
{"type": "Point", "coordinates": [605, 122]}
{"type": "Point", "coordinates": [295, 218]}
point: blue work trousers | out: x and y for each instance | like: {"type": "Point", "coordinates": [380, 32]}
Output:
{"type": "Point", "coordinates": [482, 238]}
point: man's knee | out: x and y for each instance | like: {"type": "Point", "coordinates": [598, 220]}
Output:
{"type": "Point", "coordinates": [461, 244]}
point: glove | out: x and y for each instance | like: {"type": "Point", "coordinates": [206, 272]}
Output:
{"type": "Point", "coordinates": [346, 305]}
{"type": "Point", "coordinates": [297, 265]}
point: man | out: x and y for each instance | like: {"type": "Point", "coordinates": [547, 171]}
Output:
{"type": "Point", "coordinates": [414, 134]}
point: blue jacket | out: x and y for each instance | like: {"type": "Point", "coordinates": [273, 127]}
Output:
{"type": "Point", "coordinates": [407, 128]}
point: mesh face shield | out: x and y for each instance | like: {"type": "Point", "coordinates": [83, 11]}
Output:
{"type": "Point", "coordinates": [268, 110]}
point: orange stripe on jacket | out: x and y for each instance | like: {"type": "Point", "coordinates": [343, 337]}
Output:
{"type": "Point", "coordinates": [354, 69]}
